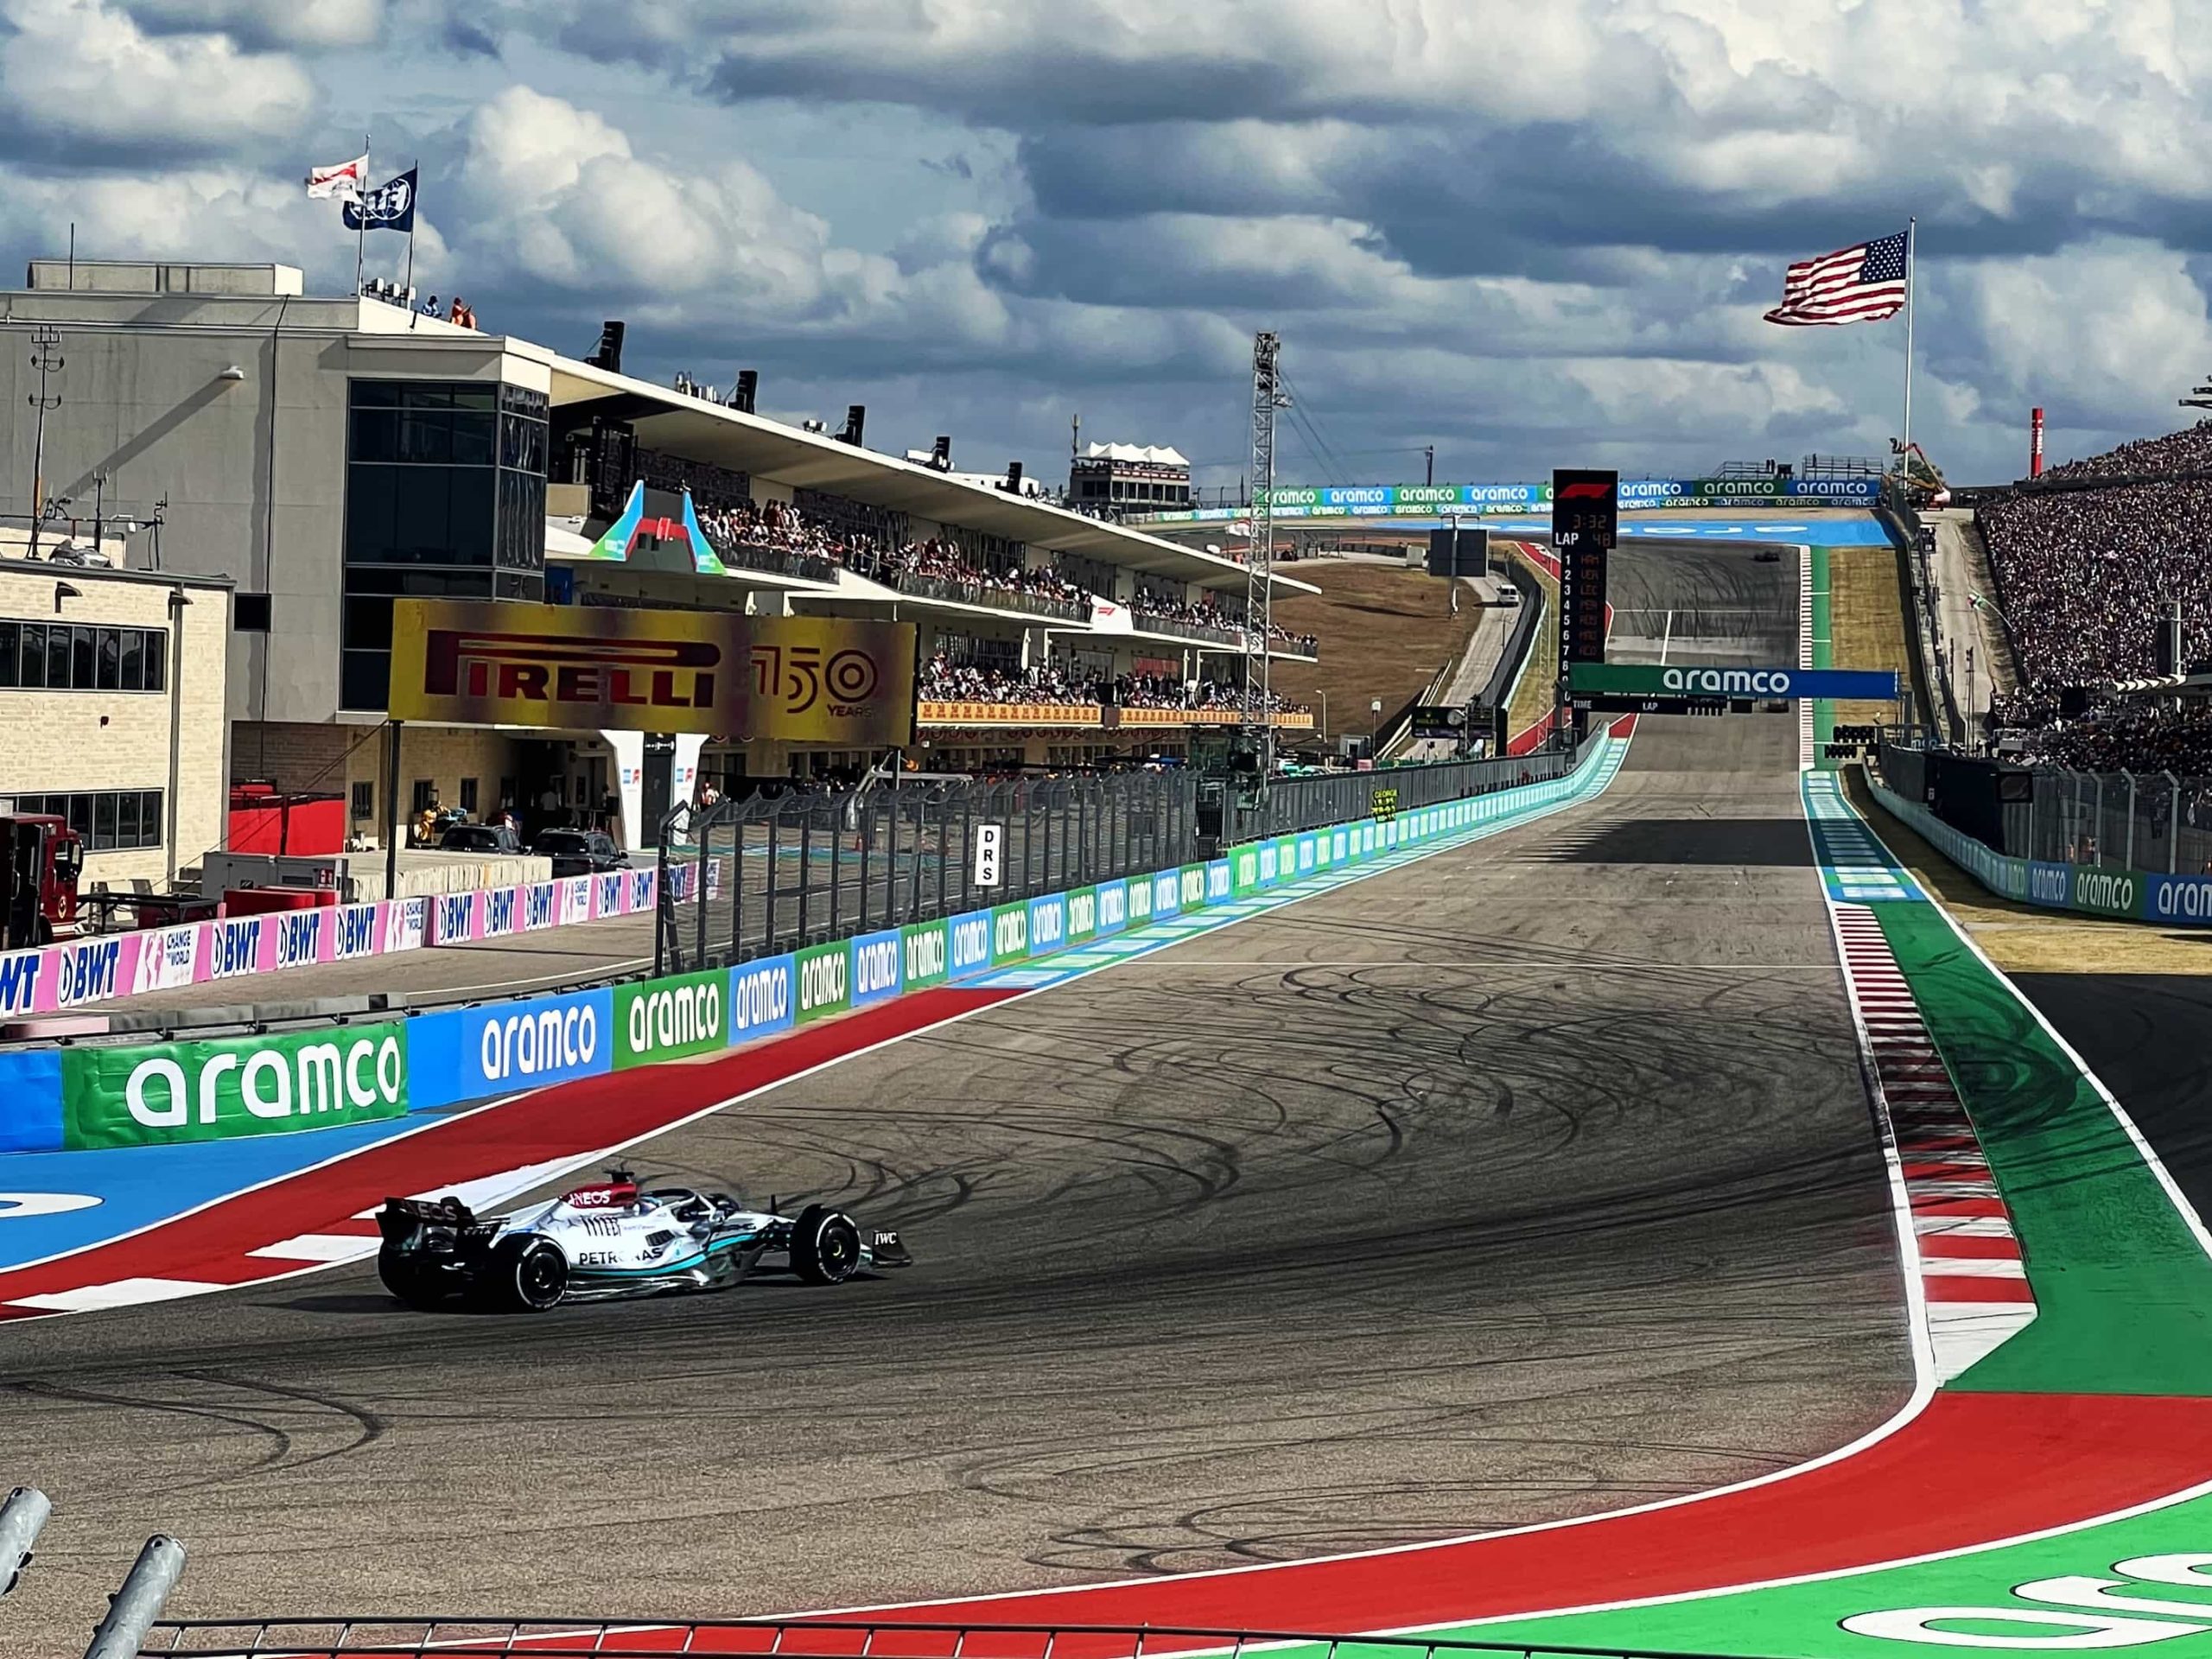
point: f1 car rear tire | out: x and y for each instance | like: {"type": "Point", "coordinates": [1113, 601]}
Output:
{"type": "Point", "coordinates": [413, 1283]}
{"type": "Point", "coordinates": [825, 1246]}
{"type": "Point", "coordinates": [525, 1275]}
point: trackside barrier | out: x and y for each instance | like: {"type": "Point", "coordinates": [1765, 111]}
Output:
{"type": "Point", "coordinates": [54, 978]}
{"type": "Point", "coordinates": [2114, 892]}
{"type": "Point", "coordinates": [95, 1097]}
{"type": "Point", "coordinates": [333, 1637]}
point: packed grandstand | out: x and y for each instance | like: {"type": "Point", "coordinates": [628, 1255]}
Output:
{"type": "Point", "coordinates": [2087, 558]}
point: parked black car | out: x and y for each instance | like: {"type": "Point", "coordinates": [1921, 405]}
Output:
{"type": "Point", "coordinates": [480, 838]}
{"type": "Point", "coordinates": [579, 852]}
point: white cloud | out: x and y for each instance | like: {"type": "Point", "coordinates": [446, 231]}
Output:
{"type": "Point", "coordinates": [79, 73]}
{"type": "Point", "coordinates": [305, 23]}
{"type": "Point", "coordinates": [2103, 334]}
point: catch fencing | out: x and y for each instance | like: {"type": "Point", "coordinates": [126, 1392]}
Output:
{"type": "Point", "coordinates": [2155, 821]}
{"type": "Point", "coordinates": [782, 872]}
{"type": "Point", "coordinates": [757, 877]}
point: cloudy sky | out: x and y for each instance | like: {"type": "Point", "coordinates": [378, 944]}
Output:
{"type": "Point", "coordinates": [1530, 235]}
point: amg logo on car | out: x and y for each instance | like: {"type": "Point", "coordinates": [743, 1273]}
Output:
{"type": "Point", "coordinates": [553, 1040]}
{"type": "Point", "coordinates": [312, 1080]}
{"type": "Point", "coordinates": [678, 1017]}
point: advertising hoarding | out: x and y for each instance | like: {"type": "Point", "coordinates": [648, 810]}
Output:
{"type": "Point", "coordinates": [788, 679]}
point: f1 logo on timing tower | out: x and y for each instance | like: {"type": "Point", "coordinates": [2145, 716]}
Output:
{"type": "Point", "coordinates": [1586, 523]}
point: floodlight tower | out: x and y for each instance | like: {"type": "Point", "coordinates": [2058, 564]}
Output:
{"type": "Point", "coordinates": [1255, 718]}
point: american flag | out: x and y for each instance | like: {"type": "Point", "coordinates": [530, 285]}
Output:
{"type": "Point", "coordinates": [1861, 284]}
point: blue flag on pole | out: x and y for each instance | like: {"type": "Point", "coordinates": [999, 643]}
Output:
{"type": "Point", "coordinates": [390, 206]}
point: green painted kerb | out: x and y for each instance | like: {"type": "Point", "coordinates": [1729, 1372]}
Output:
{"type": "Point", "coordinates": [2123, 1289]}
{"type": "Point", "coordinates": [1823, 656]}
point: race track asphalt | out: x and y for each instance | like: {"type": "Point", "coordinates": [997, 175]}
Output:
{"type": "Point", "coordinates": [2143, 1034]}
{"type": "Point", "coordinates": [1531, 1179]}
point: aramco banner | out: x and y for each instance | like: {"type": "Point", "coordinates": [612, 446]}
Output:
{"type": "Point", "coordinates": [789, 679]}
{"type": "Point", "coordinates": [1650, 680]}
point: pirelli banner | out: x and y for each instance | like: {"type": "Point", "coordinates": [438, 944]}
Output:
{"type": "Point", "coordinates": [818, 680]}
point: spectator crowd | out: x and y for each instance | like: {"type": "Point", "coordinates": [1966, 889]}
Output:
{"type": "Point", "coordinates": [2084, 576]}
{"type": "Point", "coordinates": [944, 680]}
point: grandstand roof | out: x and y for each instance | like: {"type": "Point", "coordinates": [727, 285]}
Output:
{"type": "Point", "coordinates": [1161, 455]}
{"type": "Point", "coordinates": [674, 422]}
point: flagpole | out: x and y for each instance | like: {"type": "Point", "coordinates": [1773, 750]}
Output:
{"type": "Point", "coordinates": [413, 202]}
{"type": "Point", "coordinates": [361, 231]}
{"type": "Point", "coordinates": [1911, 253]}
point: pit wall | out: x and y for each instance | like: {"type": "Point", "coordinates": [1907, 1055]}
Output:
{"type": "Point", "coordinates": [94, 1098]}
{"type": "Point", "coordinates": [57, 978]}
{"type": "Point", "coordinates": [2110, 891]}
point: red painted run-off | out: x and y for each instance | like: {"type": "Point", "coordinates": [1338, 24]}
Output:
{"type": "Point", "coordinates": [1972, 1468]}
{"type": "Point", "coordinates": [570, 1121]}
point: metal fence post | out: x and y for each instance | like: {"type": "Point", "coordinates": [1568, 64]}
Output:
{"type": "Point", "coordinates": [2130, 859]}
{"type": "Point", "coordinates": [703, 840]}
{"type": "Point", "coordinates": [771, 858]}
{"type": "Point", "coordinates": [133, 1609]}
{"type": "Point", "coordinates": [737, 877]}
{"type": "Point", "coordinates": [21, 1519]}
{"type": "Point", "coordinates": [805, 868]}
{"type": "Point", "coordinates": [864, 838]}
{"type": "Point", "coordinates": [837, 871]}
{"type": "Point", "coordinates": [663, 909]}
{"type": "Point", "coordinates": [2173, 826]}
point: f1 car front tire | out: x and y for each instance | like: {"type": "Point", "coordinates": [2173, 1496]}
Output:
{"type": "Point", "coordinates": [525, 1275]}
{"type": "Point", "coordinates": [825, 1246]}
{"type": "Point", "coordinates": [409, 1279]}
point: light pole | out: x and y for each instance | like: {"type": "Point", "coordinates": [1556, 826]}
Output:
{"type": "Point", "coordinates": [1374, 723]}
{"type": "Point", "coordinates": [47, 359]}
{"type": "Point", "coordinates": [1324, 713]}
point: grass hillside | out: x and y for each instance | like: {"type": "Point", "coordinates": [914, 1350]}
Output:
{"type": "Point", "coordinates": [1384, 631]}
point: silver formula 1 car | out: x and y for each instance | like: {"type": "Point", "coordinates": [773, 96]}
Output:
{"type": "Point", "coordinates": [599, 1242]}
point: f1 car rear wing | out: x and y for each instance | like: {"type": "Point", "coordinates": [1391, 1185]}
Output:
{"type": "Point", "coordinates": [402, 1215]}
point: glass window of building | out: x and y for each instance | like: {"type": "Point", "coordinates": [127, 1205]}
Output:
{"type": "Point", "coordinates": [445, 487]}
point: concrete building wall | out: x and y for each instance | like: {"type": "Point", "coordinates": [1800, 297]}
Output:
{"type": "Point", "coordinates": [235, 411]}
{"type": "Point", "coordinates": [72, 741]}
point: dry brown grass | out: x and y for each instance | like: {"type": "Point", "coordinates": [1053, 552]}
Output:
{"type": "Point", "coordinates": [2021, 938]}
{"type": "Point", "coordinates": [1539, 687]}
{"type": "Point", "coordinates": [1867, 624]}
{"type": "Point", "coordinates": [1384, 631]}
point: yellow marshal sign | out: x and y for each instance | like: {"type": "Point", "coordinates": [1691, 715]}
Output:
{"type": "Point", "coordinates": [789, 679]}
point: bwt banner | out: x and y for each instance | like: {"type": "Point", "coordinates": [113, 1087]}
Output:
{"type": "Point", "coordinates": [787, 679]}
{"type": "Point", "coordinates": [56, 977]}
